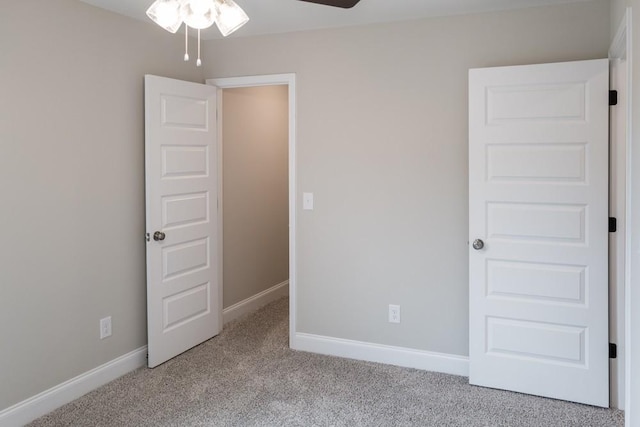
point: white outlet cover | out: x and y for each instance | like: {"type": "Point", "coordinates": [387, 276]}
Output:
{"type": "Point", "coordinates": [105, 327]}
{"type": "Point", "coordinates": [394, 313]}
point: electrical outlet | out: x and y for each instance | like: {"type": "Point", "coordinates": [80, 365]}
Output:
{"type": "Point", "coordinates": [394, 313]}
{"type": "Point", "coordinates": [105, 327]}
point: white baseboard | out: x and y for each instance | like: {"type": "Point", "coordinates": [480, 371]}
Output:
{"type": "Point", "coordinates": [45, 402]}
{"type": "Point", "coordinates": [255, 302]}
{"type": "Point", "coordinates": [399, 356]}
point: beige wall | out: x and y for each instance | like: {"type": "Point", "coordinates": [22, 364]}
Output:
{"type": "Point", "coordinates": [382, 142]}
{"type": "Point", "coordinates": [72, 187]}
{"type": "Point", "coordinates": [255, 190]}
{"type": "Point", "coordinates": [382, 123]}
{"type": "Point", "coordinates": [617, 10]}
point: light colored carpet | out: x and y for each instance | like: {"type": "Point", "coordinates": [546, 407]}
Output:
{"type": "Point", "coordinates": [247, 376]}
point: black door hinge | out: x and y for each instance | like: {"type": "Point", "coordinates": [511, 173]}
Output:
{"type": "Point", "coordinates": [613, 351]}
{"type": "Point", "coordinates": [613, 97]}
{"type": "Point", "coordinates": [613, 225]}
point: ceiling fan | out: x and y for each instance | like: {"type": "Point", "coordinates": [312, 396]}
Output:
{"type": "Point", "coordinates": [201, 14]}
{"type": "Point", "coordinates": [346, 4]}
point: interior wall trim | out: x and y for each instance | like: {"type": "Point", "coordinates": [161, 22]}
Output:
{"type": "Point", "coordinates": [255, 302]}
{"type": "Point", "coordinates": [61, 394]}
{"type": "Point", "coordinates": [391, 355]}
{"type": "Point", "coordinates": [621, 49]}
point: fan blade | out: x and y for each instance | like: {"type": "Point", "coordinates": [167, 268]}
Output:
{"type": "Point", "coordinates": [346, 4]}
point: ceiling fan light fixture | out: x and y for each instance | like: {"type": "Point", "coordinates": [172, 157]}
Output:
{"type": "Point", "coordinates": [229, 16]}
{"type": "Point", "coordinates": [199, 14]}
{"type": "Point", "coordinates": [166, 13]}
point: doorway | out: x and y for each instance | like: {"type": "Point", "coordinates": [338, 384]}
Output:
{"type": "Point", "coordinates": [256, 183]}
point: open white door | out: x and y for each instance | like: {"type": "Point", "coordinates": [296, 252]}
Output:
{"type": "Point", "coordinates": [184, 304]}
{"type": "Point", "coordinates": [538, 201]}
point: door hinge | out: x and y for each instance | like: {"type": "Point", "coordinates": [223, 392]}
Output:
{"type": "Point", "coordinates": [613, 351]}
{"type": "Point", "coordinates": [613, 97]}
{"type": "Point", "coordinates": [613, 224]}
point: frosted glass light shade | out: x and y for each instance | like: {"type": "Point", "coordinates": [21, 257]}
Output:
{"type": "Point", "coordinates": [198, 14]}
{"type": "Point", "coordinates": [166, 13]}
{"type": "Point", "coordinates": [229, 16]}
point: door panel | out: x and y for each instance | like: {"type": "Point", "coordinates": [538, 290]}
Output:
{"type": "Point", "coordinates": [183, 294]}
{"type": "Point", "coordinates": [538, 199]}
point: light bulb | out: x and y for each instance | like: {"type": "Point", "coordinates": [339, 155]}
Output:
{"type": "Point", "coordinates": [200, 7]}
{"type": "Point", "coordinates": [229, 16]}
{"type": "Point", "coordinates": [166, 13]}
{"type": "Point", "coordinates": [198, 14]}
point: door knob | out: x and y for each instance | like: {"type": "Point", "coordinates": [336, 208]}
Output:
{"type": "Point", "coordinates": [159, 235]}
{"type": "Point", "coordinates": [477, 244]}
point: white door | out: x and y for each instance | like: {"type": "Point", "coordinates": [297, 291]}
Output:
{"type": "Point", "coordinates": [183, 294]}
{"type": "Point", "coordinates": [538, 200]}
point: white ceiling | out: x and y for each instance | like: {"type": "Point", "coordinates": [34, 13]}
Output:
{"type": "Point", "coordinates": [282, 16]}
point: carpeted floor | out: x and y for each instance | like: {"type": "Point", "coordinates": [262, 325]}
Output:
{"type": "Point", "coordinates": [247, 376]}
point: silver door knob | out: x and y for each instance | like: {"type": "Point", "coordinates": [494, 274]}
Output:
{"type": "Point", "coordinates": [478, 244]}
{"type": "Point", "coordinates": [158, 235]}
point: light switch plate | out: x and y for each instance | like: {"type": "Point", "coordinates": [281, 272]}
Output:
{"type": "Point", "coordinates": [307, 201]}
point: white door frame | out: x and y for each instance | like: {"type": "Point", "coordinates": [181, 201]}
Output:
{"type": "Point", "coordinates": [621, 49]}
{"type": "Point", "coordinates": [268, 80]}
{"type": "Point", "coordinates": [617, 208]}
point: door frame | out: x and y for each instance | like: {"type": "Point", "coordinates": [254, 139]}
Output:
{"type": "Point", "coordinates": [289, 80]}
{"type": "Point", "coordinates": [619, 195]}
{"type": "Point", "coordinates": [621, 48]}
